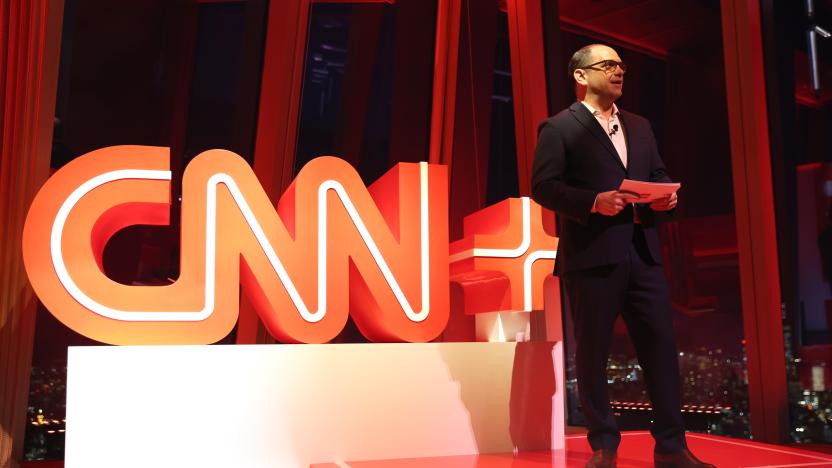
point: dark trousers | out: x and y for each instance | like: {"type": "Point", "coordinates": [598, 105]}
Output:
{"type": "Point", "coordinates": [637, 289]}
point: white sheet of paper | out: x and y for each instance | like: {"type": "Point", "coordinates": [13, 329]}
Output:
{"type": "Point", "coordinates": [648, 191]}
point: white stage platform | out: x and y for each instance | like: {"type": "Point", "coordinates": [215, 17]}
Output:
{"type": "Point", "coordinates": [295, 405]}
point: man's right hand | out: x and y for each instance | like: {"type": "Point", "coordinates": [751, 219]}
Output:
{"type": "Point", "coordinates": [611, 203]}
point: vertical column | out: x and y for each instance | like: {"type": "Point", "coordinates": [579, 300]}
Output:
{"type": "Point", "coordinates": [754, 202]}
{"type": "Point", "coordinates": [30, 36]}
{"type": "Point", "coordinates": [446, 58]}
{"type": "Point", "coordinates": [274, 151]}
{"type": "Point", "coordinates": [277, 123]}
{"type": "Point", "coordinates": [528, 70]}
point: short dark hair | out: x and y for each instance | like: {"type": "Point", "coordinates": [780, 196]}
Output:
{"type": "Point", "coordinates": [580, 57]}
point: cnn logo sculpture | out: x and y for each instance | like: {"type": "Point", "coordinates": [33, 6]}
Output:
{"type": "Point", "coordinates": [332, 248]}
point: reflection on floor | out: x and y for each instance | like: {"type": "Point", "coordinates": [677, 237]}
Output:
{"type": "Point", "coordinates": [635, 451]}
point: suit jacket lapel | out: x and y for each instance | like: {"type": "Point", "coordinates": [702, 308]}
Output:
{"type": "Point", "coordinates": [582, 114]}
{"type": "Point", "coordinates": [626, 129]}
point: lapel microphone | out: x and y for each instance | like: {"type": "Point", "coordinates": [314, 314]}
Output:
{"type": "Point", "coordinates": [614, 130]}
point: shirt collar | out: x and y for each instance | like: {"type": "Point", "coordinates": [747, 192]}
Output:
{"type": "Point", "coordinates": [596, 112]}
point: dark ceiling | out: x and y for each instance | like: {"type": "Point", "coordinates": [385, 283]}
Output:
{"type": "Point", "coordinates": [688, 28]}
{"type": "Point", "coordinates": [658, 27]}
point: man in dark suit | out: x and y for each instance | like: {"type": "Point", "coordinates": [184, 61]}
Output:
{"type": "Point", "coordinates": [609, 260]}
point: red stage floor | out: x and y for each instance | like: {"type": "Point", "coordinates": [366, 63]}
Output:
{"type": "Point", "coordinates": [636, 450]}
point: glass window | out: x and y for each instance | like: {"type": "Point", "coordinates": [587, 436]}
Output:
{"type": "Point", "coordinates": [368, 84]}
{"type": "Point", "coordinates": [800, 115]}
{"type": "Point", "coordinates": [367, 89]}
{"type": "Point", "coordinates": [675, 79]}
{"type": "Point", "coordinates": [502, 154]}
{"type": "Point", "coordinates": [178, 74]}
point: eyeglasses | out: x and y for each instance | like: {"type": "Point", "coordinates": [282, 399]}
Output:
{"type": "Point", "coordinates": [606, 66]}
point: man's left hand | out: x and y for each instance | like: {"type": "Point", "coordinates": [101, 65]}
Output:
{"type": "Point", "coordinates": [666, 203]}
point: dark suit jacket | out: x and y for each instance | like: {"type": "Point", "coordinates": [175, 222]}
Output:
{"type": "Point", "coordinates": [574, 161]}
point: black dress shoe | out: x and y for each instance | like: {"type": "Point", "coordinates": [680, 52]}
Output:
{"type": "Point", "coordinates": [602, 459]}
{"type": "Point", "coordinates": [683, 459]}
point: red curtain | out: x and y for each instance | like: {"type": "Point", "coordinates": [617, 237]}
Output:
{"type": "Point", "coordinates": [29, 44]}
